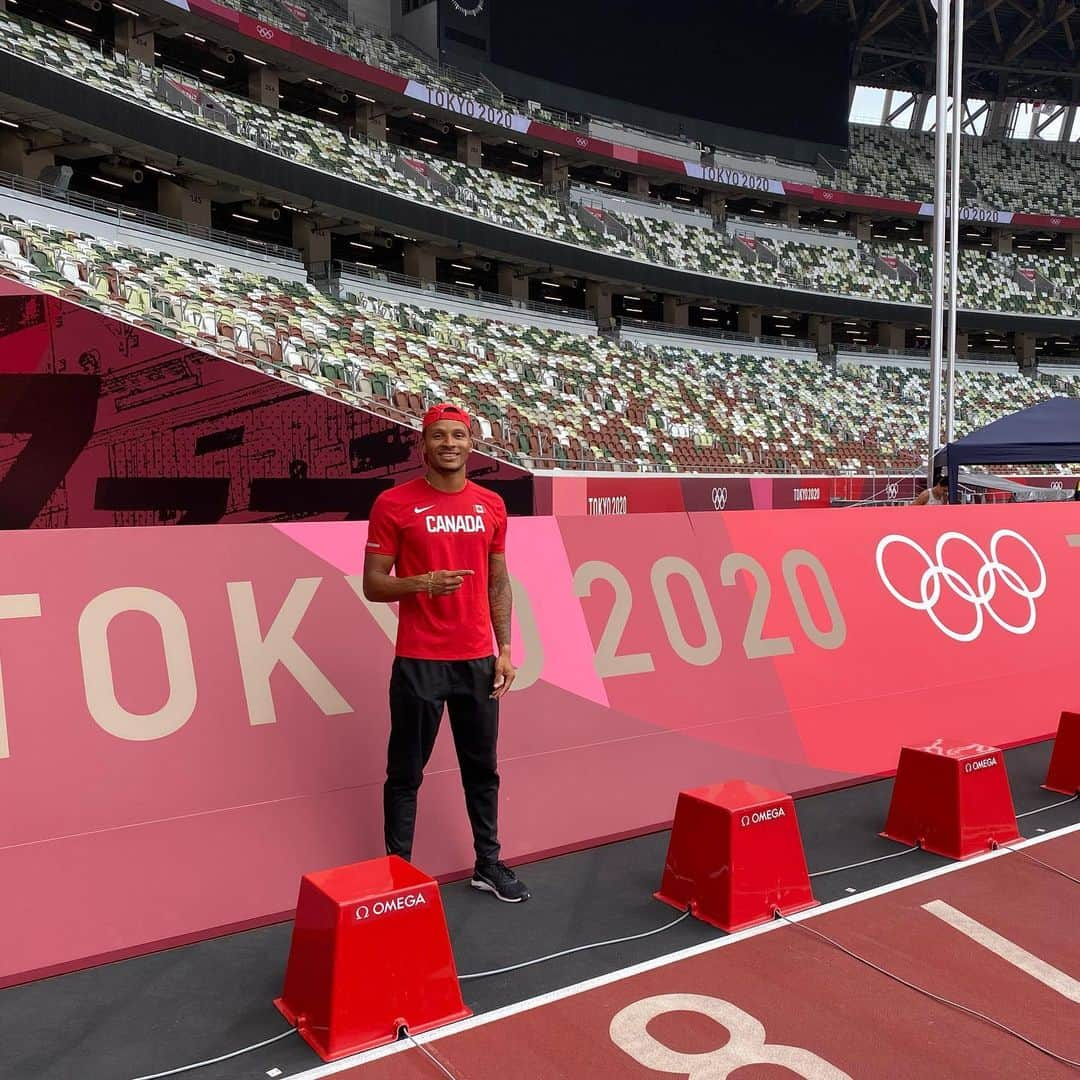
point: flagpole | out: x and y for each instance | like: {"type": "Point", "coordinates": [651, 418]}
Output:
{"type": "Point", "coordinates": [938, 286]}
{"type": "Point", "coordinates": [954, 213]}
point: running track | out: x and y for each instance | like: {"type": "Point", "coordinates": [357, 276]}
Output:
{"type": "Point", "coordinates": [999, 935]}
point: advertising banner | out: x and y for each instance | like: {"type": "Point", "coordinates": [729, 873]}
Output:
{"type": "Point", "coordinates": [191, 719]}
{"type": "Point", "coordinates": [616, 494]}
{"type": "Point", "coordinates": [712, 493]}
{"type": "Point", "coordinates": [736, 178]}
{"type": "Point", "coordinates": [800, 492]}
{"type": "Point", "coordinates": [478, 111]}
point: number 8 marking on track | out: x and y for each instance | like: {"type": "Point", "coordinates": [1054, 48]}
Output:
{"type": "Point", "coordinates": [746, 1045]}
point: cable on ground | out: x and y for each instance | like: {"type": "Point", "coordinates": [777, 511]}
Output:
{"type": "Point", "coordinates": [428, 1054]}
{"type": "Point", "coordinates": [666, 926]}
{"type": "Point", "coordinates": [476, 975]}
{"type": "Point", "coordinates": [214, 1061]}
{"type": "Point", "coordinates": [1031, 858]}
{"type": "Point", "coordinates": [578, 948]}
{"type": "Point", "coordinates": [1040, 809]}
{"type": "Point", "coordinates": [675, 922]}
{"type": "Point", "coordinates": [778, 914]}
{"type": "Point", "coordinates": [867, 862]}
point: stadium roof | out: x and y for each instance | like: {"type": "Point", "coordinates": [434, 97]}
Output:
{"type": "Point", "coordinates": [1013, 48]}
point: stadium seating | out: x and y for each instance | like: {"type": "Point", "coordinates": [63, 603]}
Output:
{"type": "Point", "coordinates": [506, 200]}
{"type": "Point", "coordinates": [886, 161]}
{"type": "Point", "coordinates": [545, 397]}
{"type": "Point", "coordinates": [1021, 175]}
{"type": "Point", "coordinates": [521, 204]}
{"type": "Point", "coordinates": [316, 23]}
{"type": "Point", "coordinates": [823, 269]}
{"type": "Point", "coordinates": [1017, 175]}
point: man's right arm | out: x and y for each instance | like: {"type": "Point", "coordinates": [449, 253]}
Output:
{"type": "Point", "coordinates": [380, 586]}
{"type": "Point", "coordinates": [383, 546]}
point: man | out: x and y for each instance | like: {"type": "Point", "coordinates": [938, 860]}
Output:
{"type": "Point", "coordinates": [445, 623]}
{"type": "Point", "coordinates": [938, 495]}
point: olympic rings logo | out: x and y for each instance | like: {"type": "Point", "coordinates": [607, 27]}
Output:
{"type": "Point", "coordinates": [980, 595]}
{"type": "Point", "coordinates": [719, 498]}
{"type": "Point", "coordinates": [264, 32]}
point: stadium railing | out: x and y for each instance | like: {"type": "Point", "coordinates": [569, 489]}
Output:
{"type": "Point", "coordinates": [718, 335]}
{"type": "Point", "coordinates": [125, 215]}
{"type": "Point", "coordinates": [373, 273]}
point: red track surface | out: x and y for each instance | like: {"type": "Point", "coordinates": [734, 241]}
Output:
{"type": "Point", "coordinates": [841, 1018]}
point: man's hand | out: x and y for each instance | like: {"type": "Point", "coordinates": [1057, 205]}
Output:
{"type": "Point", "coordinates": [444, 582]}
{"type": "Point", "coordinates": [505, 673]}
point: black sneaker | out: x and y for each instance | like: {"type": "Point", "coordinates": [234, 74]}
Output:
{"type": "Point", "coordinates": [498, 878]}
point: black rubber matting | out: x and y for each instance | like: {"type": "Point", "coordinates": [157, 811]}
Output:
{"type": "Point", "coordinates": [154, 1013]}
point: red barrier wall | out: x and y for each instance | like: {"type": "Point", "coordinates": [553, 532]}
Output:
{"type": "Point", "coordinates": [618, 494]}
{"type": "Point", "coordinates": [190, 719]}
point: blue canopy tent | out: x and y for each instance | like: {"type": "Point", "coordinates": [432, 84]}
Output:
{"type": "Point", "coordinates": [1043, 434]}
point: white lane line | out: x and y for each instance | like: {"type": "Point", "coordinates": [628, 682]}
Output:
{"type": "Point", "coordinates": [368, 1056]}
{"type": "Point", "coordinates": [1047, 974]}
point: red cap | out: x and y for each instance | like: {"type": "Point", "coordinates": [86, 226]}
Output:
{"type": "Point", "coordinates": [445, 412]}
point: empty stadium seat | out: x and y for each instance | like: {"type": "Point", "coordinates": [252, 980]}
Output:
{"type": "Point", "coordinates": [541, 396]}
{"type": "Point", "coordinates": [987, 282]}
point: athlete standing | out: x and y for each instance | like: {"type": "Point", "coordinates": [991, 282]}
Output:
{"type": "Point", "coordinates": [445, 623]}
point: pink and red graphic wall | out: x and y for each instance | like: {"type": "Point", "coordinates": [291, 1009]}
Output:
{"type": "Point", "coordinates": [192, 718]}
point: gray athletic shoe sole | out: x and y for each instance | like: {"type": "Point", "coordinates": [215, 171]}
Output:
{"type": "Point", "coordinates": [483, 886]}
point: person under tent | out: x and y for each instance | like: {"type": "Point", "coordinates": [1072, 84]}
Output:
{"type": "Point", "coordinates": [938, 495]}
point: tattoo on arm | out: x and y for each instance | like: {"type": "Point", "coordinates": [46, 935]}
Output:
{"type": "Point", "coordinates": [500, 600]}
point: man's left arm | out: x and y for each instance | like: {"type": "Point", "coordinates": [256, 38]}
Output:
{"type": "Point", "coordinates": [501, 601]}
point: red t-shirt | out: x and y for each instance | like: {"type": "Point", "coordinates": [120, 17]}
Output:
{"type": "Point", "coordinates": [426, 529]}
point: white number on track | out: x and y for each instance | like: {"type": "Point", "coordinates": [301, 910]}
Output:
{"type": "Point", "coordinates": [746, 1045]}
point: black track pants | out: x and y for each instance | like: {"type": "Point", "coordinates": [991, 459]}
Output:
{"type": "Point", "coordinates": [418, 691]}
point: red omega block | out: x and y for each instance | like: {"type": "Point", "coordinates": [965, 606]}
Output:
{"type": "Point", "coordinates": [735, 856]}
{"type": "Point", "coordinates": [953, 798]}
{"type": "Point", "coordinates": [1064, 772]}
{"type": "Point", "coordinates": [370, 954]}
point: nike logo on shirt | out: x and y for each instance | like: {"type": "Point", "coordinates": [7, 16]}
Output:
{"type": "Point", "coordinates": [422, 509]}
